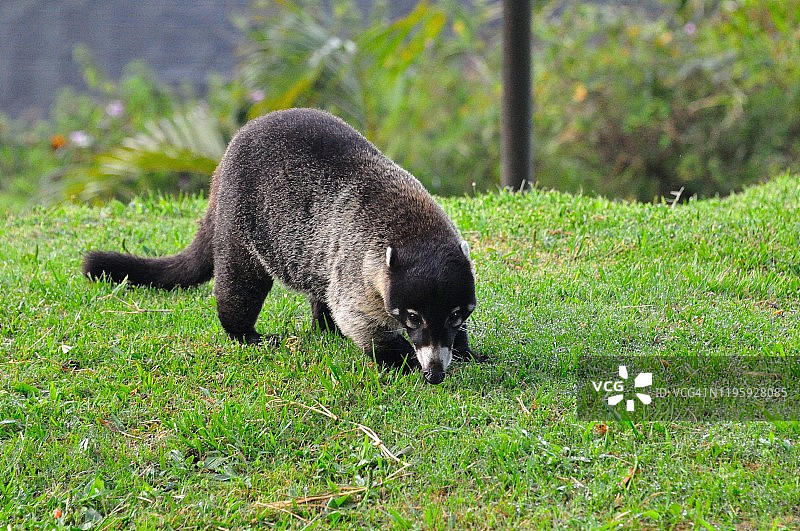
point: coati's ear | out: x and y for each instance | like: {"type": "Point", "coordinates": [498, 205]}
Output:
{"type": "Point", "coordinates": [391, 258]}
{"type": "Point", "coordinates": [465, 248]}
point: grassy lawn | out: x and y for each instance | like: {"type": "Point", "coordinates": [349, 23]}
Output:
{"type": "Point", "coordinates": [123, 407]}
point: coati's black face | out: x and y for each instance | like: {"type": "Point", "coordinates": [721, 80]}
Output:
{"type": "Point", "coordinates": [431, 293]}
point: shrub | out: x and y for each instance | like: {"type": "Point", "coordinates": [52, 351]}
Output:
{"type": "Point", "coordinates": [706, 100]}
{"type": "Point", "coordinates": [704, 96]}
{"type": "Point", "coordinates": [56, 158]}
{"type": "Point", "coordinates": [420, 86]}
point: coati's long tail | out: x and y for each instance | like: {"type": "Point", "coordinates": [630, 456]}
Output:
{"type": "Point", "coordinates": [194, 265]}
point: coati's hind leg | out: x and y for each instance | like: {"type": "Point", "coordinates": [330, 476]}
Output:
{"type": "Point", "coordinates": [461, 350]}
{"type": "Point", "coordinates": [241, 285]}
{"type": "Point", "coordinates": [321, 317]}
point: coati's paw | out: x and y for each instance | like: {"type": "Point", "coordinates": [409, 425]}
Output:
{"type": "Point", "coordinates": [256, 339]}
{"type": "Point", "coordinates": [411, 364]}
{"type": "Point", "coordinates": [468, 354]}
{"type": "Point", "coordinates": [322, 319]}
{"type": "Point", "coordinates": [248, 338]}
{"type": "Point", "coordinates": [397, 353]}
{"type": "Point", "coordinates": [406, 363]}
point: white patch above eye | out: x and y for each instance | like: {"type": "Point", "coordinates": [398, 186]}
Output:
{"type": "Point", "coordinates": [389, 257]}
{"type": "Point", "coordinates": [419, 320]}
{"type": "Point", "coordinates": [396, 311]}
{"type": "Point", "coordinates": [465, 248]}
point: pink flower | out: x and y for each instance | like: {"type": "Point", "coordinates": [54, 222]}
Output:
{"type": "Point", "coordinates": [689, 28]}
{"type": "Point", "coordinates": [115, 109]}
{"type": "Point", "coordinates": [80, 139]}
{"type": "Point", "coordinates": [257, 95]}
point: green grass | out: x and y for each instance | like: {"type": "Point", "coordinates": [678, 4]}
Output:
{"type": "Point", "coordinates": [123, 407]}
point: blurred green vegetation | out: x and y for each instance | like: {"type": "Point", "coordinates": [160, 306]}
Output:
{"type": "Point", "coordinates": [705, 96]}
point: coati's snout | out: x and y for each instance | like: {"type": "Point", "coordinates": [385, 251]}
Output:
{"type": "Point", "coordinates": [434, 362]}
{"type": "Point", "coordinates": [431, 293]}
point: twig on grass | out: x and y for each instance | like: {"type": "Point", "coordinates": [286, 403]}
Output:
{"type": "Point", "coordinates": [620, 516]}
{"type": "Point", "coordinates": [287, 511]}
{"type": "Point", "coordinates": [647, 500]}
{"type": "Point", "coordinates": [283, 505]}
{"type": "Point", "coordinates": [322, 499]}
{"type": "Point", "coordinates": [378, 442]}
{"type": "Point", "coordinates": [135, 308]}
{"type": "Point", "coordinates": [322, 410]}
{"type": "Point", "coordinates": [132, 436]}
{"type": "Point", "coordinates": [522, 405]}
{"type": "Point", "coordinates": [676, 197]}
{"type": "Point", "coordinates": [41, 338]}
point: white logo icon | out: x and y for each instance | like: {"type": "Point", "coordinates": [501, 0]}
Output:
{"type": "Point", "coordinates": [643, 379]}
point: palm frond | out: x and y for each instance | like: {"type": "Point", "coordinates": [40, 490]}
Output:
{"type": "Point", "coordinates": [189, 143]}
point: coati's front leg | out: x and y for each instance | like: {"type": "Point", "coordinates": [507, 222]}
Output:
{"type": "Point", "coordinates": [393, 350]}
{"type": "Point", "coordinates": [321, 317]}
{"type": "Point", "coordinates": [385, 346]}
{"type": "Point", "coordinates": [241, 285]}
{"type": "Point", "coordinates": [366, 323]}
{"type": "Point", "coordinates": [461, 350]}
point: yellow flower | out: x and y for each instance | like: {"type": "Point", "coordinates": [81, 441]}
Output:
{"type": "Point", "coordinates": [665, 38]}
{"type": "Point", "coordinates": [580, 93]}
{"type": "Point", "coordinates": [458, 28]}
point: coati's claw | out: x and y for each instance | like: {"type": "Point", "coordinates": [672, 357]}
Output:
{"type": "Point", "coordinates": [248, 338]}
{"type": "Point", "coordinates": [255, 339]}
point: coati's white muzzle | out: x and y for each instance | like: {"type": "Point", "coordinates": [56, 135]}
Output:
{"type": "Point", "coordinates": [434, 362]}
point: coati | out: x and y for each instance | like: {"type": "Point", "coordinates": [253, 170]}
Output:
{"type": "Point", "coordinates": [302, 197]}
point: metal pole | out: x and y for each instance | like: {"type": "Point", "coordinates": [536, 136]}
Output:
{"type": "Point", "coordinates": [516, 119]}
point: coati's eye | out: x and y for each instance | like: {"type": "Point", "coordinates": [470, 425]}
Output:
{"type": "Point", "coordinates": [413, 320]}
{"type": "Point", "coordinates": [458, 317]}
